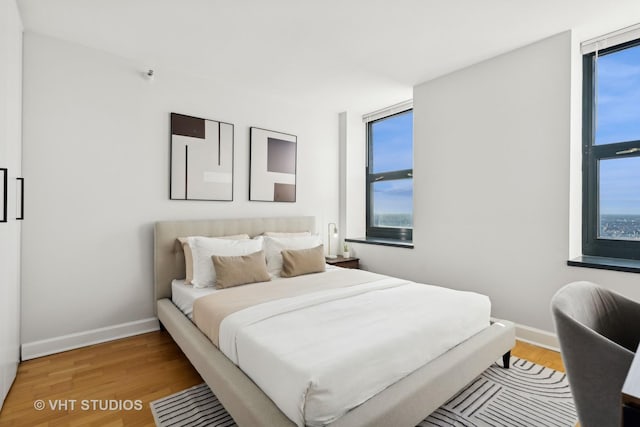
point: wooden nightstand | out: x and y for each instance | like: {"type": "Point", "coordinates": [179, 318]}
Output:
{"type": "Point", "coordinates": [343, 262]}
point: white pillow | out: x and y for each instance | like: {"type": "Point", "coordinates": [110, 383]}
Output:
{"type": "Point", "coordinates": [273, 246]}
{"type": "Point", "coordinates": [202, 248]}
{"type": "Point", "coordinates": [286, 234]}
{"type": "Point", "coordinates": [188, 258]}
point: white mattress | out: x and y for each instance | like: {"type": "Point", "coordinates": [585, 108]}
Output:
{"type": "Point", "coordinates": [183, 296]}
{"type": "Point", "coordinates": [308, 352]}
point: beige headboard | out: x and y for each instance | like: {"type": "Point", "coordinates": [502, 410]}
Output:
{"type": "Point", "coordinates": [168, 263]}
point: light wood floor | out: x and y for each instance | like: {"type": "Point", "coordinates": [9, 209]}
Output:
{"type": "Point", "coordinates": [145, 367]}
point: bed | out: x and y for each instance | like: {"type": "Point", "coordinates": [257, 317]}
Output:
{"type": "Point", "coordinates": [404, 403]}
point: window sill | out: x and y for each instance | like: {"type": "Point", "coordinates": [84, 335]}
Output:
{"type": "Point", "coordinates": [602, 263]}
{"type": "Point", "coordinates": [407, 244]}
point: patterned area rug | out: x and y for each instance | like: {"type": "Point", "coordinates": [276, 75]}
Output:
{"type": "Point", "coordinates": [526, 395]}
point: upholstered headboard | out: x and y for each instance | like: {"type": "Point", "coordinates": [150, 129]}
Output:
{"type": "Point", "coordinates": [168, 263]}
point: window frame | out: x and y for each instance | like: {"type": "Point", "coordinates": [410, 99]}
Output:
{"type": "Point", "coordinates": [403, 234]}
{"type": "Point", "coordinates": [591, 155]}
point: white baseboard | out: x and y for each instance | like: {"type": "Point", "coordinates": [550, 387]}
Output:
{"type": "Point", "coordinates": [49, 346]}
{"type": "Point", "coordinates": [537, 337]}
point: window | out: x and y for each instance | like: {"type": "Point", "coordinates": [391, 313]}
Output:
{"type": "Point", "coordinates": [390, 176]}
{"type": "Point", "coordinates": [611, 152]}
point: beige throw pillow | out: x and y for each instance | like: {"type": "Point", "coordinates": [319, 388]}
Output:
{"type": "Point", "coordinates": [188, 259]}
{"type": "Point", "coordinates": [302, 261]}
{"type": "Point", "coordinates": [273, 247]}
{"type": "Point", "coordinates": [240, 270]}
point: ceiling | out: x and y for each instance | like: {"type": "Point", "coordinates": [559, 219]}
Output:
{"type": "Point", "coordinates": [340, 54]}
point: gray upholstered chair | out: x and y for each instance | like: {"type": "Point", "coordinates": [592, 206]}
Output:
{"type": "Point", "coordinates": [599, 332]}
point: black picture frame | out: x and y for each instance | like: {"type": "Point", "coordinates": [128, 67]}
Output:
{"type": "Point", "coordinates": [273, 166]}
{"type": "Point", "coordinates": [5, 186]}
{"type": "Point", "coordinates": [20, 189]}
{"type": "Point", "coordinates": [202, 159]}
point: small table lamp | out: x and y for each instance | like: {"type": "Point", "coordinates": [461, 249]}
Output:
{"type": "Point", "coordinates": [331, 236]}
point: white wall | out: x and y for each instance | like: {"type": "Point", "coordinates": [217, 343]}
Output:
{"type": "Point", "coordinates": [492, 147]}
{"type": "Point", "coordinates": [96, 151]}
{"type": "Point", "coordinates": [10, 158]}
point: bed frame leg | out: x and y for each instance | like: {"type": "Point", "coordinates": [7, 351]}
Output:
{"type": "Point", "coordinates": [506, 358]}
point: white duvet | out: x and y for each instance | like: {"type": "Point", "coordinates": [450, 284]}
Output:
{"type": "Point", "coordinates": [321, 354]}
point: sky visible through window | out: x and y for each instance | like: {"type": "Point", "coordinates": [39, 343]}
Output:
{"type": "Point", "coordinates": [392, 145]}
{"type": "Point", "coordinates": [618, 97]}
{"type": "Point", "coordinates": [618, 120]}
